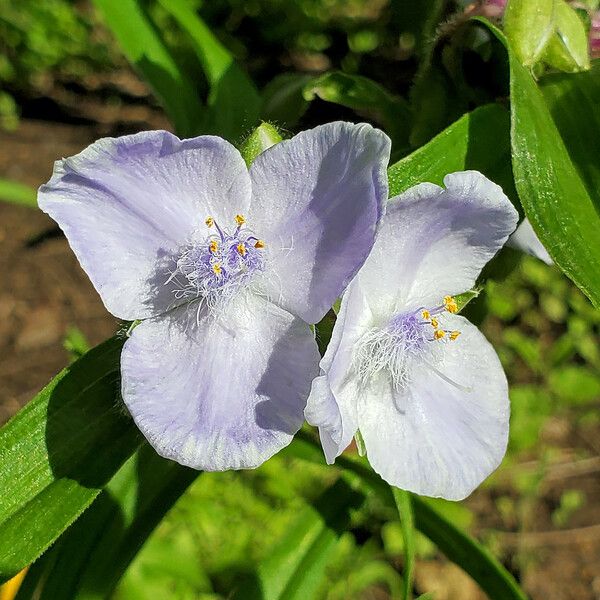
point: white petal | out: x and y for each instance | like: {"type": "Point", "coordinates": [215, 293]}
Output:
{"type": "Point", "coordinates": [317, 200]}
{"type": "Point", "coordinates": [434, 242]}
{"type": "Point", "coordinates": [332, 402]}
{"type": "Point", "coordinates": [126, 205]}
{"type": "Point", "coordinates": [223, 393]}
{"type": "Point", "coordinates": [439, 438]}
{"type": "Point", "coordinates": [526, 240]}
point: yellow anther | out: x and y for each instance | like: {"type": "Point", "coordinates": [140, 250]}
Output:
{"type": "Point", "coordinates": [240, 220]}
{"type": "Point", "coordinates": [426, 315]}
{"type": "Point", "coordinates": [209, 221]}
{"type": "Point", "coordinates": [259, 244]}
{"type": "Point", "coordinates": [438, 334]}
{"type": "Point", "coordinates": [454, 335]}
{"type": "Point", "coordinates": [213, 246]}
{"type": "Point", "coordinates": [217, 268]}
{"type": "Point", "coordinates": [450, 304]}
{"type": "Point", "coordinates": [434, 323]}
{"type": "Point", "coordinates": [241, 248]}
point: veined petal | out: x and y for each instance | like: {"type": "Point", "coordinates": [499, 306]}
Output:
{"type": "Point", "coordinates": [434, 242]}
{"type": "Point", "coordinates": [220, 393]}
{"type": "Point", "coordinates": [332, 402]}
{"type": "Point", "coordinates": [127, 204]}
{"type": "Point", "coordinates": [448, 430]}
{"type": "Point", "coordinates": [317, 199]}
{"type": "Point", "coordinates": [526, 240]}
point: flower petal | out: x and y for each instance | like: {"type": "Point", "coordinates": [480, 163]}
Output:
{"type": "Point", "coordinates": [331, 405]}
{"type": "Point", "coordinates": [439, 438]}
{"type": "Point", "coordinates": [434, 242]}
{"type": "Point", "coordinates": [220, 393]}
{"type": "Point", "coordinates": [317, 200]}
{"type": "Point", "coordinates": [127, 204]}
{"type": "Point", "coordinates": [526, 240]}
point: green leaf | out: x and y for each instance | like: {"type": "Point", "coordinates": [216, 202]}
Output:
{"type": "Point", "coordinates": [568, 48]}
{"type": "Point", "coordinates": [407, 523]}
{"type": "Point", "coordinates": [479, 140]}
{"type": "Point", "coordinates": [92, 555]}
{"type": "Point", "coordinates": [551, 190]}
{"type": "Point", "coordinates": [234, 102]}
{"type": "Point", "coordinates": [144, 48]}
{"type": "Point", "coordinates": [17, 193]}
{"type": "Point", "coordinates": [529, 26]}
{"type": "Point", "coordinates": [262, 138]}
{"type": "Point", "coordinates": [574, 103]}
{"type": "Point", "coordinates": [58, 453]}
{"type": "Point", "coordinates": [366, 97]}
{"type": "Point", "coordinates": [294, 569]}
{"type": "Point", "coordinates": [460, 548]}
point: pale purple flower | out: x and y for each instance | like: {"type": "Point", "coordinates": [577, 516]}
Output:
{"type": "Point", "coordinates": [228, 267]}
{"type": "Point", "coordinates": [420, 383]}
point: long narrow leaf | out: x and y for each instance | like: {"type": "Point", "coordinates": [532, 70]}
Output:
{"type": "Point", "coordinates": [479, 140]}
{"type": "Point", "coordinates": [93, 554]}
{"type": "Point", "coordinates": [551, 189]}
{"type": "Point", "coordinates": [233, 100]}
{"type": "Point", "coordinates": [58, 453]}
{"type": "Point", "coordinates": [296, 566]}
{"type": "Point", "coordinates": [146, 51]}
{"type": "Point", "coordinates": [460, 548]}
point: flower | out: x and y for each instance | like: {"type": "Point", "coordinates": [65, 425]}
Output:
{"type": "Point", "coordinates": [421, 384]}
{"type": "Point", "coordinates": [227, 267]}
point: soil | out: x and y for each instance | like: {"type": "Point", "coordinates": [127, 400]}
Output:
{"type": "Point", "coordinates": [43, 292]}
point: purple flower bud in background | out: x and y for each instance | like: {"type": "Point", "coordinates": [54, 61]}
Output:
{"type": "Point", "coordinates": [595, 35]}
{"type": "Point", "coordinates": [420, 383]}
{"type": "Point", "coordinates": [228, 267]}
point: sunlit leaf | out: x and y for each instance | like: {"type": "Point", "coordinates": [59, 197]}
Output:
{"type": "Point", "coordinates": [550, 188]}
{"type": "Point", "coordinates": [57, 454]}
{"type": "Point", "coordinates": [234, 103]}
{"type": "Point", "coordinates": [479, 140]}
{"type": "Point", "coordinates": [92, 555]}
{"type": "Point", "coordinates": [294, 569]}
{"type": "Point", "coordinates": [144, 48]}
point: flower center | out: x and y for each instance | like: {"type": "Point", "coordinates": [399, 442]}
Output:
{"type": "Point", "coordinates": [407, 337]}
{"type": "Point", "coordinates": [219, 266]}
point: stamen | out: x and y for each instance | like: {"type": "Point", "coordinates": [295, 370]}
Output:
{"type": "Point", "coordinates": [426, 315]}
{"type": "Point", "coordinates": [435, 323]}
{"type": "Point", "coordinates": [450, 304]}
{"type": "Point", "coordinates": [211, 272]}
{"type": "Point", "coordinates": [438, 334]}
{"type": "Point", "coordinates": [259, 244]}
{"type": "Point", "coordinates": [454, 335]}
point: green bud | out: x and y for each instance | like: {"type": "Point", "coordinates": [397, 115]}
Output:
{"type": "Point", "coordinates": [529, 25]}
{"type": "Point", "coordinates": [568, 48]}
{"type": "Point", "coordinates": [262, 138]}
